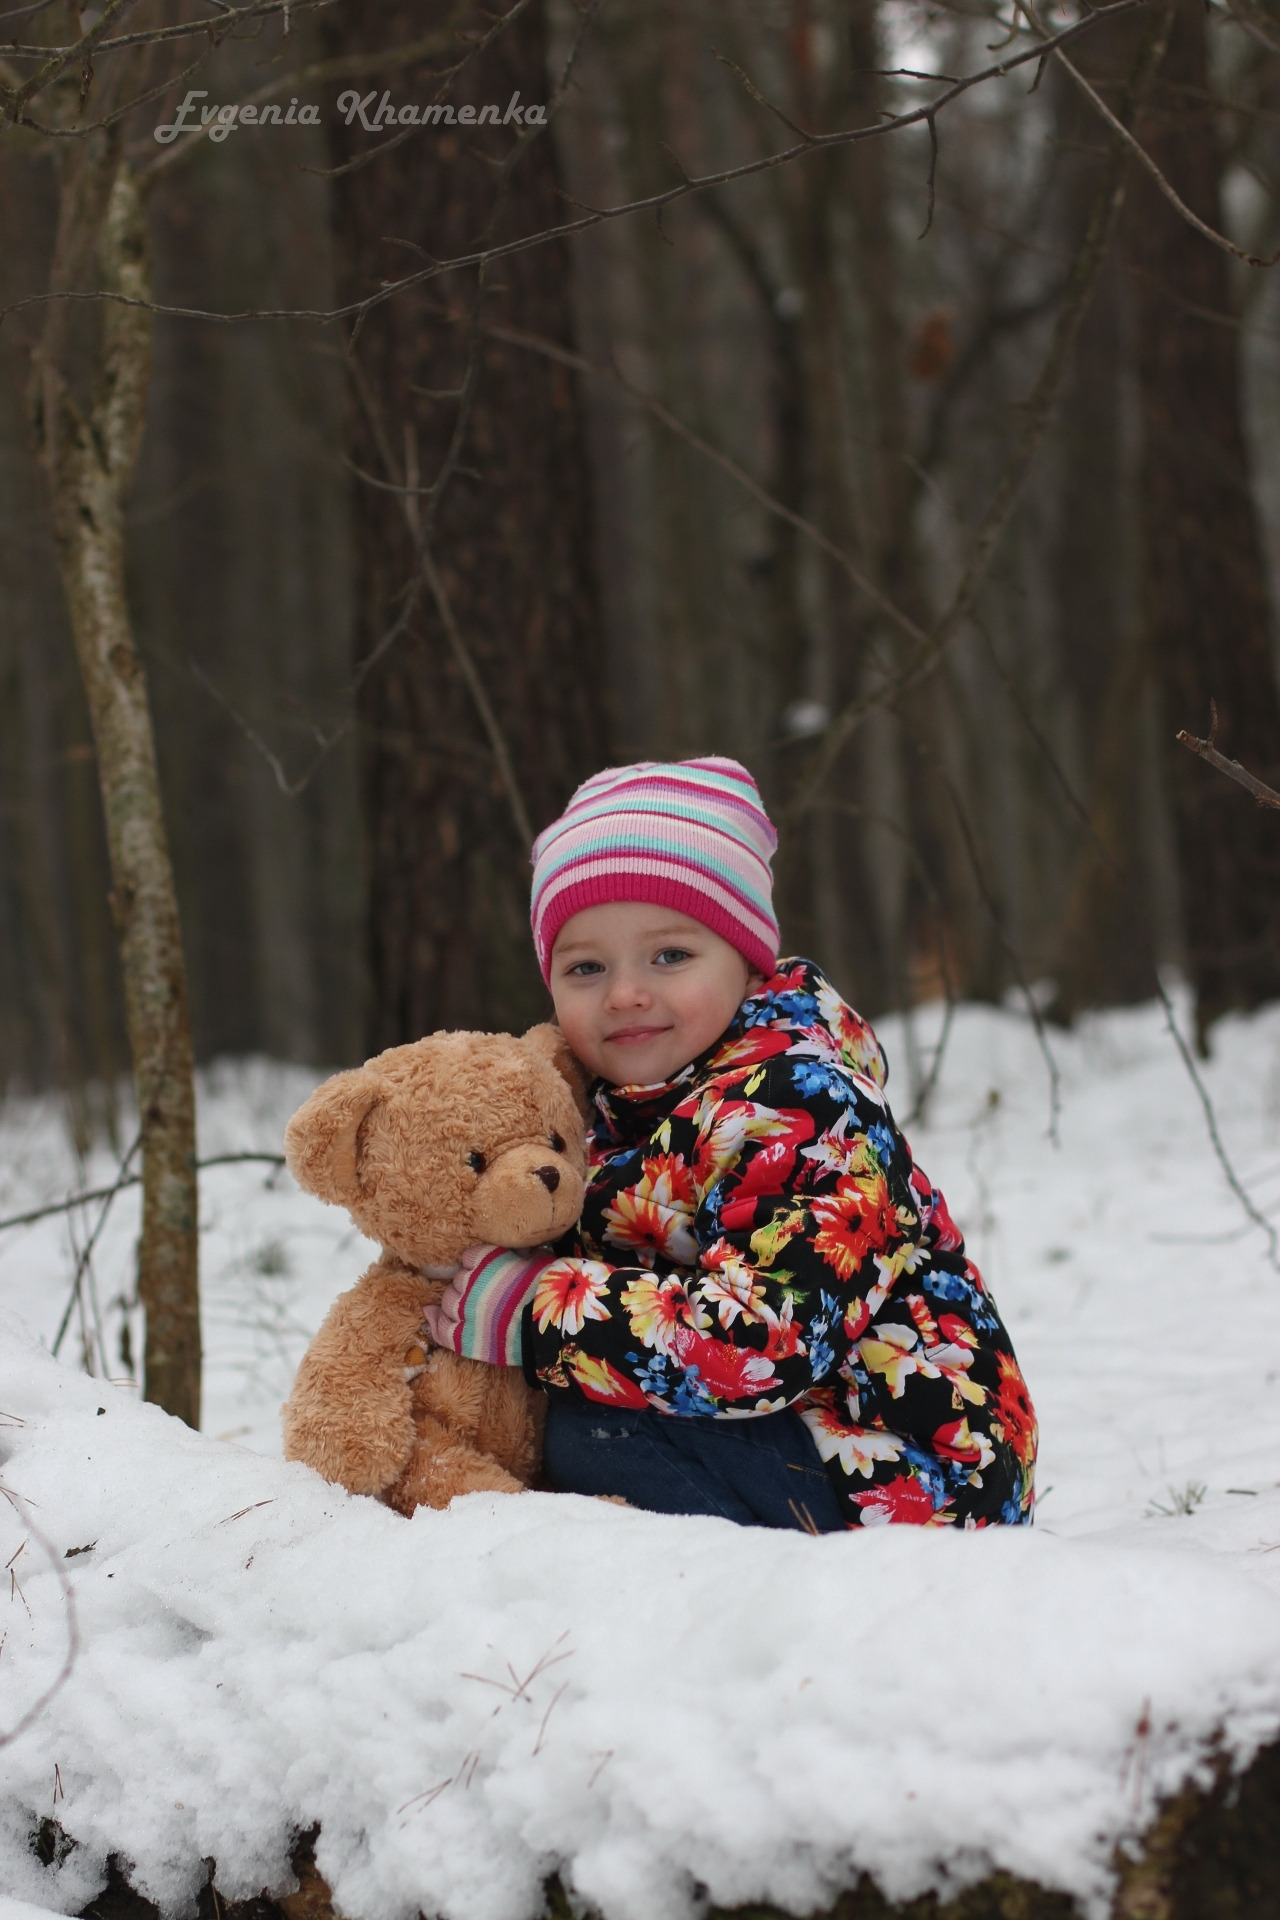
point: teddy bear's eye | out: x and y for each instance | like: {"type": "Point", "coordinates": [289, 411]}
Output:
{"type": "Point", "coordinates": [476, 1162]}
{"type": "Point", "coordinates": [557, 1142]}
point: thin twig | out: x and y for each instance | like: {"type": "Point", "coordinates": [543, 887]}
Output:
{"type": "Point", "coordinates": [22, 1507]}
{"type": "Point", "coordinates": [425, 1799]}
{"type": "Point", "coordinates": [1140, 154]}
{"type": "Point", "coordinates": [1264, 795]}
{"type": "Point", "coordinates": [518, 1688]}
{"type": "Point", "coordinates": [158, 36]}
{"type": "Point", "coordinates": [241, 1511]}
{"type": "Point", "coordinates": [1011, 952]}
{"type": "Point", "coordinates": [421, 526]}
{"type": "Point", "coordinates": [556, 1698]}
{"type": "Point", "coordinates": [451, 78]}
{"type": "Point", "coordinates": [1037, 414]}
{"type": "Point", "coordinates": [1041, 739]}
{"type": "Point", "coordinates": [1251, 1209]}
{"type": "Point", "coordinates": [933, 176]}
{"type": "Point", "coordinates": [649, 203]}
{"type": "Point", "coordinates": [86, 1252]}
{"type": "Point", "coordinates": [289, 788]}
{"type": "Point", "coordinates": [516, 337]}
{"type": "Point", "coordinates": [12, 101]}
{"type": "Point", "coordinates": [484, 706]}
{"type": "Point", "coordinates": [134, 1180]}
{"type": "Point", "coordinates": [1233, 1180]}
{"type": "Point", "coordinates": [855, 810]}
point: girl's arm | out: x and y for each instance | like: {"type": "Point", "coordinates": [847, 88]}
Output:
{"type": "Point", "coordinates": [806, 1222]}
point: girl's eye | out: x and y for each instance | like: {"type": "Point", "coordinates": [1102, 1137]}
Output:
{"type": "Point", "coordinates": [583, 969]}
{"type": "Point", "coordinates": [671, 956]}
{"type": "Point", "coordinates": [557, 1143]}
{"type": "Point", "coordinates": [476, 1162]}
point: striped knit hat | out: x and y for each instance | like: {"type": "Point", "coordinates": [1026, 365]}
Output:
{"type": "Point", "coordinates": [687, 834]}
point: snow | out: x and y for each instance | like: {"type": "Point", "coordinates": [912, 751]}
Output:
{"type": "Point", "coordinates": [664, 1711]}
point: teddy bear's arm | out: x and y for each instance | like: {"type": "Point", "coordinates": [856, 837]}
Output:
{"type": "Point", "coordinates": [349, 1414]}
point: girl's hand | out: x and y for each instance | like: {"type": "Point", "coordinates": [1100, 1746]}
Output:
{"type": "Point", "coordinates": [480, 1312]}
{"type": "Point", "coordinates": [444, 1319]}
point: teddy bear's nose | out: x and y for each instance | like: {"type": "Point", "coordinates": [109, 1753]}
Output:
{"type": "Point", "coordinates": [549, 1176]}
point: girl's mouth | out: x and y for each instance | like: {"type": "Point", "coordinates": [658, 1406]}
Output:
{"type": "Point", "coordinates": [633, 1036]}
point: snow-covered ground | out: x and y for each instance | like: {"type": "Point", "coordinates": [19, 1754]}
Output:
{"type": "Point", "coordinates": [651, 1706]}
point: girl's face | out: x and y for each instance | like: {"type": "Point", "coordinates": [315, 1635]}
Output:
{"type": "Point", "coordinates": [640, 991]}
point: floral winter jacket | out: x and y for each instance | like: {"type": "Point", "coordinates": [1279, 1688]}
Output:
{"type": "Point", "coordinates": [756, 1236]}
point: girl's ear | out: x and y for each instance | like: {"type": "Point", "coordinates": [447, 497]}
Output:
{"type": "Point", "coordinates": [321, 1139]}
{"type": "Point", "coordinates": [547, 1041]}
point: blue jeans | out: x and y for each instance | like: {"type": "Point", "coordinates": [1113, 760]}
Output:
{"type": "Point", "coordinates": [764, 1472]}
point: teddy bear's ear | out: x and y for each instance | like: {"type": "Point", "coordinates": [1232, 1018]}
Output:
{"type": "Point", "coordinates": [320, 1140]}
{"type": "Point", "coordinates": [547, 1041]}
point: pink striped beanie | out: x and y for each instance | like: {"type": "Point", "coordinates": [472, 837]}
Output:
{"type": "Point", "coordinates": [687, 834]}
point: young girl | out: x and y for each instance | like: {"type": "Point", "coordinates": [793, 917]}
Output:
{"type": "Point", "coordinates": [765, 1311]}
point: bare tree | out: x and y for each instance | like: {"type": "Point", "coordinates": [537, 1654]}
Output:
{"type": "Point", "coordinates": [90, 382]}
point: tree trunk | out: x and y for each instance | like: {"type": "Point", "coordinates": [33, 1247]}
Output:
{"type": "Point", "coordinates": [1206, 587]}
{"type": "Point", "coordinates": [466, 734]}
{"type": "Point", "coordinates": [89, 453]}
{"type": "Point", "coordinates": [825, 889]}
{"type": "Point", "coordinates": [1106, 946]}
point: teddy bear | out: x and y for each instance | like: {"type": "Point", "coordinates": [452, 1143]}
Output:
{"type": "Point", "coordinates": [431, 1148]}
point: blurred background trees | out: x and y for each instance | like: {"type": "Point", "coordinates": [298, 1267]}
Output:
{"type": "Point", "coordinates": [398, 586]}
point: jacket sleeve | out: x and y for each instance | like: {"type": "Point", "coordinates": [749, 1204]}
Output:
{"type": "Point", "coordinates": [930, 1421]}
{"type": "Point", "coordinates": [803, 1220]}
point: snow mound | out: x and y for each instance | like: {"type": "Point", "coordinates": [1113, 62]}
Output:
{"type": "Point", "coordinates": [661, 1709]}
{"type": "Point", "coordinates": [664, 1711]}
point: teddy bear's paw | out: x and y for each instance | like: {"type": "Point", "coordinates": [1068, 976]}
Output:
{"type": "Point", "coordinates": [415, 1361]}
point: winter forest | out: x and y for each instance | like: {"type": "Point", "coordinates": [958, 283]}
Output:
{"type": "Point", "coordinates": [750, 446]}
{"type": "Point", "coordinates": [405, 412]}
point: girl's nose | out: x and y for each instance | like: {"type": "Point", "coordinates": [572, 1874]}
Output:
{"type": "Point", "coordinates": [626, 990]}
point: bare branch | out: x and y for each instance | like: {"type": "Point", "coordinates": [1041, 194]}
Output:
{"type": "Point", "coordinates": [183, 30]}
{"type": "Point", "coordinates": [289, 788]}
{"type": "Point", "coordinates": [132, 1180]}
{"type": "Point", "coordinates": [1140, 154]}
{"type": "Point", "coordinates": [933, 176]}
{"type": "Point", "coordinates": [649, 203]}
{"type": "Point", "coordinates": [854, 810]}
{"type": "Point", "coordinates": [454, 74]}
{"type": "Point", "coordinates": [1011, 951]}
{"type": "Point", "coordinates": [1037, 413]}
{"type": "Point", "coordinates": [1233, 1180]}
{"type": "Point", "coordinates": [13, 102]}
{"type": "Point", "coordinates": [864, 583]}
{"type": "Point", "coordinates": [750, 87]}
{"type": "Point", "coordinates": [1260, 26]}
{"type": "Point", "coordinates": [1237, 1187]}
{"type": "Point", "coordinates": [86, 1252]}
{"type": "Point", "coordinates": [1264, 795]}
{"type": "Point", "coordinates": [22, 1507]}
{"type": "Point", "coordinates": [489, 719]}
{"type": "Point", "coordinates": [421, 527]}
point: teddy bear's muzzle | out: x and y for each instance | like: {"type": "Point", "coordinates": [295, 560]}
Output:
{"type": "Point", "coordinates": [525, 1196]}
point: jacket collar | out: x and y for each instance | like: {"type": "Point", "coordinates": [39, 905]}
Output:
{"type": "Point", "coordinates": [796, 998]}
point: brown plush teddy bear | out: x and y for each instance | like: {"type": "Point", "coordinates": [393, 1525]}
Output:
{"type": "Point", "coordinates": [431, 1148]}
